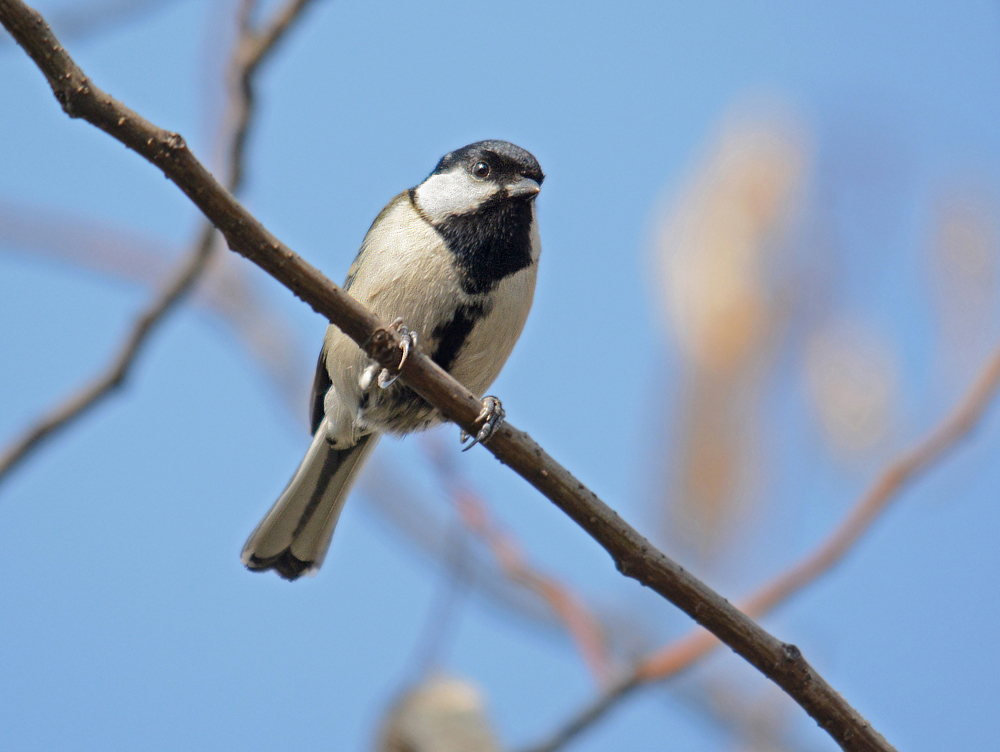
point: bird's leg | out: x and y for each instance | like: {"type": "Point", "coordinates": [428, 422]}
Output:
{"type": "Point", "coordinates": [409, 341]}
{"type": "Point", "coordinates": [491, 417]}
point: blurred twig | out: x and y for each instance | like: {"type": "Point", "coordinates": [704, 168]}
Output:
{"type": "Point", "coordinates": [269, 339]}
{"type": "Point", "coordinates": [581, 625]}
{"type": "Point", "coordinates": [720, 253]}
{"type": "Point", "coordinates": [430, 532]}
{"type": "Point", "coordinates": [445, 610]}
{"type": "Point", "coordinates": [634, 556]}
{"type": "Point", "coordinates": [225, 290]}
{"type": "Point", "coordinates": [250, 51]}
{"type": "Point", "coordinates": [680, 655]}
{"type": "Point", "coordinates": [757, 720]}
{"type": "Point", "coordinates": [89, 17]}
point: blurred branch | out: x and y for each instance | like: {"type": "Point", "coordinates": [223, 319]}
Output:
{"type": "Point", "coordinates": [633, 555]}
{"type": "Point", "coordinates": [445, 610]}
{"type": "Point", "coordinates": [721, 255]}
{"type": "Point", "coordinates": [268, 337]}
{"type": "Point", "coordinates": [226, 290]}
{"type": "Point", "coordinates": [581, 625]}
{"type": "Point", "coordinates": [251, 49]}
{"type": "Point", "coordinates": [47, 232]}
{"type": "Point", "coordinates": [430, 532]}
{"type": "Point", "coordinates": [92, 16]}
{"type": "Point", "coordinates": [680, 655]}
{"type": "Point", "coordinates": [756, 721]}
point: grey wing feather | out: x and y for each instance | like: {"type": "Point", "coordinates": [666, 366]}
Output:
{"type": "Point", "coordinates": [320, 386]}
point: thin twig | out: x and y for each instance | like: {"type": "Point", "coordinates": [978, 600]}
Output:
{"type": "Point", "coordinates": [423, 526]}
{"type": "Point", "coordinates": [263, 43]}
{"type": "Point", "coordinates": [226, 290]}
{"type": "Point", "coordinates": [250, 50]}
{"type": "Point", "coordinates": [443, 615]}
{"type": "Point", "coordinates": [589, 715]}
{"type": "Point", "coordinates": [633, 554]}
{"type": "Point", "coordinates": [756, 721]}
{"type": "Point", "coordinates": [580, 624]}
{"type": "Point", "coordinates": [680, 655]}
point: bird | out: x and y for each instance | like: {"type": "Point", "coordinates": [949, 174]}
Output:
{"type": "Point", "coordinates": [452, 263]}
{"type": "Point", "coordinates": [440, 714]}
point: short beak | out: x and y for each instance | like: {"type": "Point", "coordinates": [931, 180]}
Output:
{"type": "Point", "coordinates": [523, 187]}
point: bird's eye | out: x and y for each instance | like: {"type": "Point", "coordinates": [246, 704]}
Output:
{"type": "Point", "coordinates": [481, 170]}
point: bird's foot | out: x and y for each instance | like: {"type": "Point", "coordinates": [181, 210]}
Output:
{"type": "Point", "coordinates": [491, 417]}
{"type": "Point", "coordinates": [409, 342]}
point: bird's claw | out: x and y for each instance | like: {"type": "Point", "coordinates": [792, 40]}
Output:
{"type": "Point", "coordinates": [409, 341]}
{"type": "Point", "coordinates": [491, 417]}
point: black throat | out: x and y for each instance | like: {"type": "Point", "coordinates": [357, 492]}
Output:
{"type": "Point", "coordinates": [490, 243]}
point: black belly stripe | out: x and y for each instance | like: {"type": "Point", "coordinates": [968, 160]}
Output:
{"type": "Point", "coordinates": [399, 408]}
{"type": "Point", "coordinates": [452, 334]}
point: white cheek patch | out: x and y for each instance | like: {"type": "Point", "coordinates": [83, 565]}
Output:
{"type": "Point", "coordinates": [453, 192]}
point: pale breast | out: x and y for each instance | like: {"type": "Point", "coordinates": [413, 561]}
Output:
{"type": "Point", "coordinates": [405, 271]}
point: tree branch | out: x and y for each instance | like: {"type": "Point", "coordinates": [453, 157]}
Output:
{"type": "Point", "coordinates": [633, 555]}
{"type": "Point", "coordinates": [251, 49]}
{"type": "Point", "coordinates": [680, 655]}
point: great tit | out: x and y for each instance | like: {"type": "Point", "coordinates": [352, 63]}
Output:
{"type": "Point", "coordinates": [452, 263]}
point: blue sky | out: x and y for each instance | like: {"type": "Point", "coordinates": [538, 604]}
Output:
{"type": "Point", "coordinates": [128, 621]}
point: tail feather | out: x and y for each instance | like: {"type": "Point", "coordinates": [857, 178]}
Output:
{"type": "Point", "coordinates": [295, 534]}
